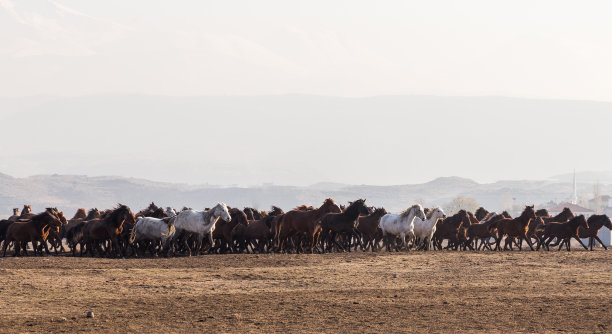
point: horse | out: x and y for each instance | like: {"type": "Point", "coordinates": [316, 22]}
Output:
{"type": "Point", "coordinates": [258, 233]}
{"type": "Point", "coordinates": [80, 214]}
{"type": "Point", "coordinates": [170, 212]}
{"type": "Point", "coordinates": [543, 213]}
{"type": "Point", "coordinates": [15, 215]}
{"type": "Point", "coordinates": [35, 230]}
{"type": "Point", "coordinates": [562, 217]}
{"type": "Point", "coordinates": [449, 228]}
{"type": "Point", "coordinates": [481, 213]}
{"type": "Point", "coordinates": [515, 227]}
{"type": "Point", "coordinates": [369, 229]}
{"type": "Point", "coordinates": [342, 223]}
{"type": "Point", "coordinates": [224, 230]}
{"type": "Point", "coordinates": [301, 221]}
{"type": "Point", "coordinates": [148, 212]}
{"type": "Point", "coordinates": [107, 228]}
{"type": "Point", "coordinates": [483, 231]}
{"type": "Point", "coordinates": [26, 212]}
{"type": "Point", "coordinates": [425, 229]}
{"type": "Point", "coordinates": [150, 230]}
{"type": "Point", "coordinates": [400, 224]}
{"type": "Point", "coordinates": [201, 223]}
{"type": "Point", "coordinates": [596, 222]}
{"type": "Point", "coordinates": [564, 231]}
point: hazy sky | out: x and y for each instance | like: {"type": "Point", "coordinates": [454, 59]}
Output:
{"type": "Point", "coordinates": [101, 52]}
{"type": "Point", "coordinates": [545, 49]}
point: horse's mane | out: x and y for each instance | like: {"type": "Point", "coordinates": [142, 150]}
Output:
{"type": "Point", "coordinates": [276, 211]}
{"type": "Point", "coordinates": [238, 216]}
{"type": "Point", "coordinates": [80, 214]}
{"type": "Point", "coordinates": [406, 212]}
{"type": "Point", "coordinates": [303, 207]}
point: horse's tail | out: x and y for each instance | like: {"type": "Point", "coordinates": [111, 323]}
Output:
{"type": "Point", "coordinates": [133, 234]}
{"type": "Point", "coordinates": [171, 228]}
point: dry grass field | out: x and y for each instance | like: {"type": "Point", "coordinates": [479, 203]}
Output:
{"type": "Point", "coordinates": [437, 291]}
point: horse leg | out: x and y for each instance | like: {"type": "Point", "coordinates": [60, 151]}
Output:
{"type": "Point", "coordinates": [580, 241]}
{"type": "Point", "coordinates": [600, 242]}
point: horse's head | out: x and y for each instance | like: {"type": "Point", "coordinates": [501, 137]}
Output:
{"type": "Point", "coordinates": [125, 214]}
{"type": "Point", "coordinates": [276, 211]}
{"type": "Point", "coordinates": [362, 209]}
{"type": "Point", "coordinates": [220, 210]}
{"type": "Point", "coordinates": [437, 213]}
{"type": "Point", "coordinates": [606, 221]}
{"type": "Point", "coordinates": [26, 209]}
{"type": "Point", "coordinates": [239, 217]}
{"type": "Point", "coordinates": [419, 211]}
{"type": "Point", "coordinates": [15, 211]}
{"type": "Point", "coordinates": [529, 212]}
{"type": "Point", "coordinates": [330, 206]}
{"type": "Point", "coordinates": [567, 214]}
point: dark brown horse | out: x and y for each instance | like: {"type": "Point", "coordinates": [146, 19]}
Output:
{"type": "Point", "coordinates": [562, 217]}
{"type": "Point", "coordinates": [449, 228]}
{"type": "Point", "coordinates": [259, 232]}
{"type": "Point", "coordinates": [35, 230]}
{"type": "Point", "coordinates": [515, 227]}
{"type": "Point", "coordinates": [596, 222]}
{"type": "Point", "coordinates": [481, 213]}
{"type": "Point", "coordinates": [344, 223]}
{"type": "Point", "coordinates": [369, 229]}
{"type": "Point", "coordinates": [298, 223]}
{"type": "Point", "coordinates": [564, 231]}
{"type": "Point", "coordinates": [542, 213]}
{"type": "Point", "coordinates": [107, 228]}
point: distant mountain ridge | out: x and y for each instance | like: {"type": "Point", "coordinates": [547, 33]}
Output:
{"type": "Point", "coordinates": [69, 192]}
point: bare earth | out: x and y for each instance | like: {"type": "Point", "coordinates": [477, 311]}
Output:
{"type": "Point", "coordinates": [436, 291]}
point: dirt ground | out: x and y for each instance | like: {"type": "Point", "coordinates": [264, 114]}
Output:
{"type": "Point", "coordinates": [357, 292]}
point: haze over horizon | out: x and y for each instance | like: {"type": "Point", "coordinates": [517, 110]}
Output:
{"type": "Point", "coordinates": [296, 93]}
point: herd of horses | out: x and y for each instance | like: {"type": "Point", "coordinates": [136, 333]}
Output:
{"type": "Point", "coordinates": [156, 231]}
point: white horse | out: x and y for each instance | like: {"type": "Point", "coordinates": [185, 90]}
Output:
{"type": "Point", "coordinates": [201, 222]}
{"type": "Point", "coordinates": [170, 211]}
{"type": "Point", "coordinates": [425, 229]}
{"type": "Point", "coordinates": [153, 229]}
{"type": "Point", "coordinates": [401, 224]}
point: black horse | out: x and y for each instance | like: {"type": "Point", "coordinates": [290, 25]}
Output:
{"type": "Point", "coordinates": [344, 223]}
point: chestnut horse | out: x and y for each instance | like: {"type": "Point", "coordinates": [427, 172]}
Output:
{"type": "Point", "coordinates": [515, 228]}
{"type": "Point", "coordinates": [596, 222]}
{"type": "Point", "coordinates": [297, 222]}
{"type": "Point", "coordinates": [449, 229]}
{"type": "Point", "coordinates": [34, 230]}
{"type": "Point", "coordinates": [107, 228]}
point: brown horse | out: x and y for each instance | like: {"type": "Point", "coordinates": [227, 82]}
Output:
{"type": "Point", "coordinates": [26, 212]}
{"type": "Point", "coordinates": [35, 230]}
{"type": "Point", "coordinates": [483, 232]}
{"type": "Point", "coordinates": [259, 234]}
{"type": "Point", "coordinates": [369, 229]}
{"type": "Point", "coordinates": [481, 213]}
{"type": "Point", "coordinates": [542, 213]}
{"type": "Point", "coordinates": [562, 217]}
{"type": "Point", "coordinates": [297, 223]}
{"type": "Point", "coordinates": [515, 227]}
{"type": "Point", "coordinates": [564, 231]}
{"type": "Point", "coordinates": [449, 228]}
{"type": "Point", "coordinates": [148, 212]}
{"type": "Point", "coordinates": [224, 231]}
{"type": "Point", "coordinates": [107, 228]}
{"type": "Point", "coordinates": [80, 214]}
{"type": "Point", "coordinates": [596, 222]}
